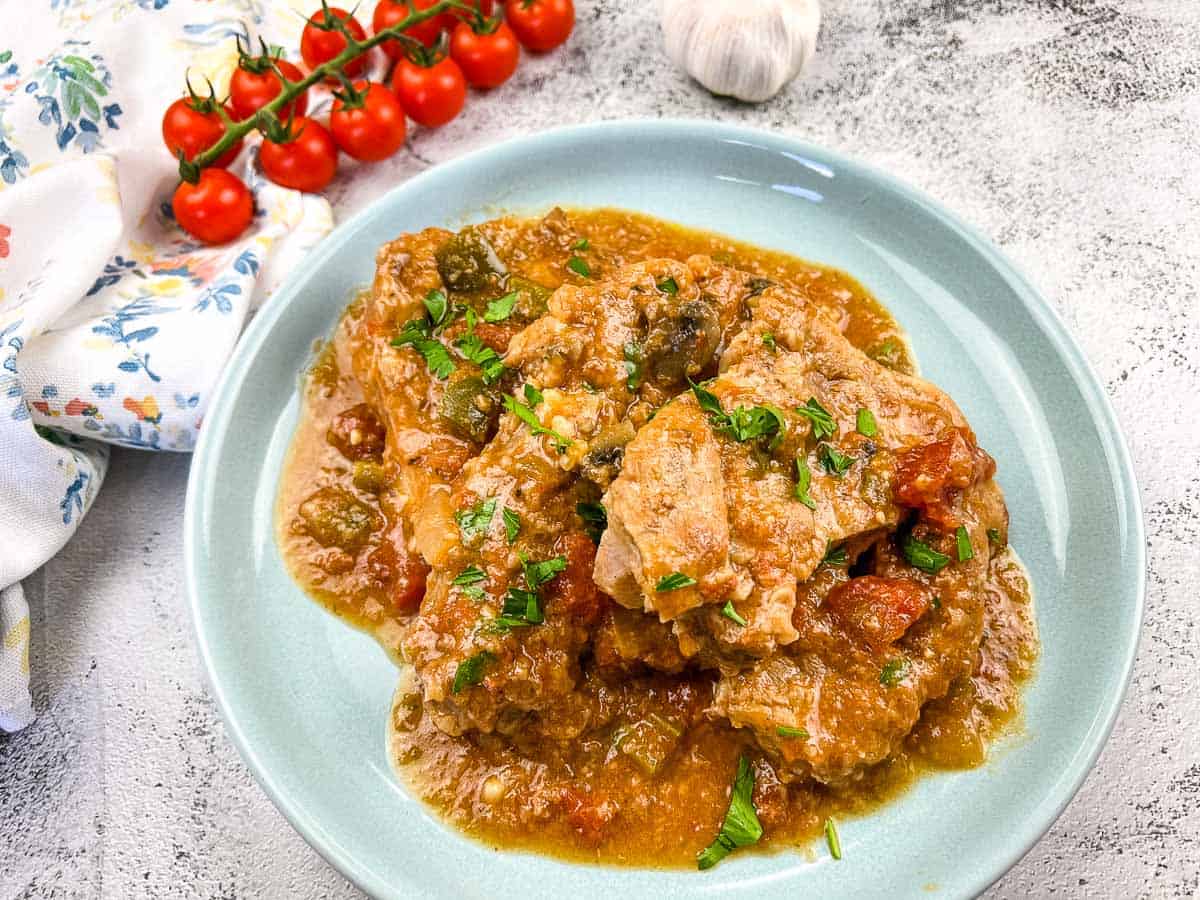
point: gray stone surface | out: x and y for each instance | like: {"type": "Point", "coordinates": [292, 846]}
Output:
{"type": "Point", "coordinates": [1068, 130]}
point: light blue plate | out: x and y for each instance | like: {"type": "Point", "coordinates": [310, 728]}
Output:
{"type": "Point", "coordinates": [306, 698]}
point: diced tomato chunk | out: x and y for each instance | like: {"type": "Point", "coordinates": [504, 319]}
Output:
{"type": "Point", "coordinates": [574, 591]}
{"type": "Point", "coordinates": [932, 477]}
{"type": "Point", "coordinates": [408, 586]}
{"type": "Point", "coordinates": [588, 812]}
{"type": "Point", "coordinates": [357, 433]}
{"type": "Point", "coordinates": [881, 610]}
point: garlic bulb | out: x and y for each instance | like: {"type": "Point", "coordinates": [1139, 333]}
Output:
{"type": "Point", "coordinates": [747, 49]}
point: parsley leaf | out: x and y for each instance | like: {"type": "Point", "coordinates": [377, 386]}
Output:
{"type": "Point", "coordinates": [994, 536]}
{"type": "Point", "coordinates": [834, 556]}
{"type": "Point", "coordinates": [769, 340]}
{"type": "Point", "coordinates": [633, 365]}
{"type": "Point", "coordinates": [674, 582]}
{"type": "Point", "coordinates": [529, 417]}
{"type": "Point", "coordinates": [538, 573]}
{"type": "Point", "coordinates": [595, 519]}
{"type": "Point", "coordinates": [474, 521]}
{"type": "Point", "coordinates": [475, 350]}
{"type": "Point", "coordinates": [512, 525]}
{"type": "Point", "coordinates": [436, 356]}
{"type": "Point", "coordinates": [741, 826]}
{"type": "Point", "coordinates": [579, 266]}
{"type": "Point", "coordinates": [501, 308]}
{"type": "Point", "coordinates": [470, 575]}
{"type": "Point", "coordinates": [744, 423]}
{"type": "Point", "coordinates": [823, 425]}
{"type": "Point", "coordinates": [921, 555]}
{"type": "Point", "coordinates": [708, 400]}
{"type": "Point", "coordinates": [521, 609]}
{"type": "Point", "coordinates": [470, 671]}
{"type": "Point", "coordinates": [864, 423]}
{"type": "Point", "coordinates": [803, 482]}
{"type": "Point", "coordinates": [832, 839]}
{"type": "Point", "coordinates": [533, 396]}
{"type": "Point", "coordinates": [732, 614]}
{"type": "Point", "coordinates": [668, 286]}
{"type": "Point", "coordinates": [893, 672]}
{"type": "Point", "coordinates": [962, 542]}
{"type": "Point", "coordinates": [581, 244]}
{"type": "Point", "coordinates": [787, 731]}
{"type": "Point", "coordinates": [835, 461]}
{"type": "Point", "coordinates": [438, 306]}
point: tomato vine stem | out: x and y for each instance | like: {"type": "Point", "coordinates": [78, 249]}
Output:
{"type": "Point", "coordinates": [189, 170]}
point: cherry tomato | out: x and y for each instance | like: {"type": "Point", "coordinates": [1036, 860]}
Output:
{"type": "Point", "coordinates": [192, 125]}
{"type": "Point", "coordinates": [216, 209]}
{"type": "Point", "coordinates": [487, 58]}
{"type": "Point", "coordinates": [305, 162]}
{"type": "Point", "coordinates": [255, 84]}
{"type": "Point", "coordinates": [373, 129]}
{"type": "Point", "coordinates": [389, 12]}
{"type": "Point", "coordinates": [540, 25]}
{"type": "Point", "coordinates": [318, 45]}
{"type": "Point", "coordinates": [431, 94]}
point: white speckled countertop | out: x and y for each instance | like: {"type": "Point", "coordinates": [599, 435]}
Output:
{"type": "Point", "coordinates": [1068, 130]}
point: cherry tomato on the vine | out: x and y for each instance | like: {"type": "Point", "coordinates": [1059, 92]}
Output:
{"type": "Point", "coordinates": [320, 43]}
{"type": "Point", "coordinates": [192, 124]}
{"type": "Point", "coordinates": [215, 209]}
{"type": "Point", "coordinates": [431, 92]}
{"type": "Point", "coordinates": [305, 159]}
{"type": "Point", "coordinates": [255, 83]}
{"type": "Point", "coordinates": [540, 25]}
{"type": "Point", "coordinates": [368, 124]}
{"type": "Point", "coordinates": [486, 51]}
{"type": "Point", "coordinates": [389, 12]}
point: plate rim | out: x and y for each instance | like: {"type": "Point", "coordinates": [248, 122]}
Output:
{"type": "Point", "coordinates": [1044, 316]}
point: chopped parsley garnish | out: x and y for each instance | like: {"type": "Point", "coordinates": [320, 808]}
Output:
{"type": "Point", "coordinates": [533, 396]}
{"type": "Point", "coordinates": [834, 556]}
{"type": "Point", "coordinates": [438, 307]}
{"type": "Point", "coordinates": [512, 525]}
{"type": "Point", "coordinates": [579, 266]}
{"type": "Point", "coordinates": [470, 575]}
{"type": "Point", "coordinates": [893, 672]}
{"type": "Point", "coordinates": [741, 826]}
{"type": "Point", "coordinates": [803, 482]}
{"type": "Point", "coordinates": [470, 671]}
{"type": "Point", "coordinates": [595, 519]}
{"type": "Point", "coordinates": [744, 423]}
{"type": "Point", "coordinates": [769, 340]}
{"type": "Point", "coordinates": [501, 308]}
{"type": "Point", "coordinates": [521, 609]}
{"type": "Point", "coordinates": [921, 555]}
{"type": "Point", "coordinates": [962, 542]}
{"type": "Point", "coordinates": [581, 244]}
{"type": "Point", "coordinates": [668, 286]}
{"type": "Point", "coordinates": [885, 354]}
{"type": "Point", "coordinates": [437, 358]}
{"type": "Point", "coordinates": [787, 731]}
{"type": "Point", "coordinates": [633, 365]}
{"type": "Point", "coordinates": [538, 573]}
{"type": "Point", "coordinates": [529, 417]}
{"type": "Point", "coordinates": [475, 350]}
{"type": "Point", "coordinates": [864, 423]}
{"type": "Point", "coordinates": [834, 460]}
{"type": "Point", "coordinates": [994, 536]}
{"type": "Point", "coordinates": [473, 522]}
{"type": "Point", "coordinates": [732, 614]}
{"type": "Point", "coordinates": [522, 606]}
{"type": "Point", "coordinates": [832, 839]}
{"type": "Point", "coordinates": [674, 582]}
{"type": "Point", "coordinates": [823, 425]}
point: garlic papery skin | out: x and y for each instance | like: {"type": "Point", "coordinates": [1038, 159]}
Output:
{"type": "Point", "coordinates": [747, 49]}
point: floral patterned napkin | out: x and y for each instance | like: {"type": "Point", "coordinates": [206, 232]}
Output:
{"type": "Point", "coordinates": [113, 324]}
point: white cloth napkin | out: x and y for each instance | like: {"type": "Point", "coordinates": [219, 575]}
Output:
{"type": "Point", "coordinates": [113, 324]}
